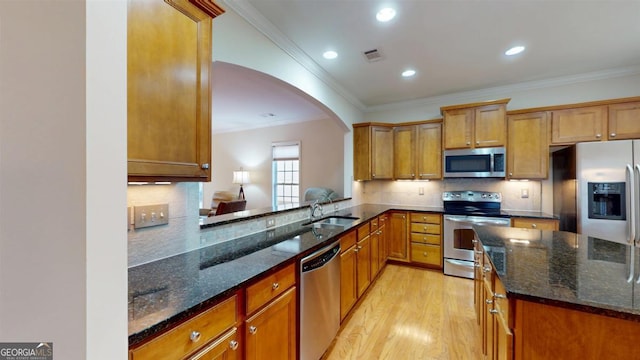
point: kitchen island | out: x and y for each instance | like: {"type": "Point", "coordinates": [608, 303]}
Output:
{"type": "Point", "coordinates": [552, 294]}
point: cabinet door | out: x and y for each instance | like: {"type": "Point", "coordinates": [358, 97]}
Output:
{"type": "Point", "coordinates": [225, 348]}
{"type": "Point", "coordinates": [397, 238]}
{"type": "Point", "coordinates": [271, 333]}
{"type": "Point", "coordinates": [429, 151]}
{"type": "Point", "coordinates": [458, 128]}
{"type": "Point", "coordinates": [362, 153]}
{"type": "Point", "coordinates": [575, 125]}
{"type": "Point", "coordinates": [363, 264]}
{"type": "Point", "coordinates": [478, 290]}
{"type": "Point", "coordinates": [490, 126]}
{"type": "Point", "coordinates": [488, 332]}
{"type": "Point", "coordinates": [503, 339]}
{"type": "Point", "coordinates": [382, 252]}
{"type": "Point", "coordinates": [404, 138]}
{"type": "Point", "coordinates": [528, 146]}
{"type": "Point", "coordinates": [348, 291]}
{"type": "Point", "coordinates": [168, 91]}
{"type": "Point", "coordinates": [624, 121]}
{"type": "Point", "coordinates": [382, 152]}
{"type": "Point", "coordinates": [375, 253]}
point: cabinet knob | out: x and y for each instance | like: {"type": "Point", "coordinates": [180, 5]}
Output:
{"type": "Point", "coordinates": [493, 311]}
{"type": "Point", "coordinates": [488, 301]}
{"type": "Point", "coordinates": [477, 142]}
{"type": "Point", "coordinates": [413, 175]}
{"type": "Point", "coordinates": [425, 254]}
{"type": "Point", "coordinates": [468, 142]}
{"type": "Point", "coordinates": [534, 226]}
{"type": "Point", "coordinates": [204, 166]}
{"type": "Point", "coordinates": [500, 296]}
{"type": "Point", "coordinates": [233, 345]}
{"type": "Point", "coordinates": [253, 329]}
{"type": "Point", "coordinates": [373, 175]}
{"type": "Point", "coordinates": [510, 174]}
{"type": "Point", "coordinates": [612, 135]}
{"type": "Point", "coordinates": [195, 336]}
{"type": "Point", "coordinates": [275, 286]}
{"type": "Point", "coordinates": [598, 136]}
{"type": "Point", "coordinates": [486, 269]}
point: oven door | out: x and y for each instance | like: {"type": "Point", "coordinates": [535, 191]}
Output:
{"type": "Point", "coordinates": [458, 241]}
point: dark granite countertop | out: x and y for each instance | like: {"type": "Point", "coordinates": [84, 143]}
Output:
{"type": "Point", "coordinates": [528, 214]}
{"type": "Point", "coordinates": [167, 291]}
{"type": "Point", "coordinates": [565, 269]}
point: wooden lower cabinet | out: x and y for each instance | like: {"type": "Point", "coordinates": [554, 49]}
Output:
{"type": "Point", "coordinates": [271, 332]}
{"type": "Point", "coordinates": [225, 348]}
{"type": "Point", "coordinates": [363, 261]}
{"type": "Point", "coordinates": [426, 239]}
{"type": "Point", "coordinates": [535, 223]}
{"type": "Point", "coordinates": [397, 240]}
{"type": "Point", "coordinates": [348, 273]}
{"type": "Point", "coordinates": [193, 335]}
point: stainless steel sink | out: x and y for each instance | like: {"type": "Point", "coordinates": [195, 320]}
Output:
{"type": "Point", "coordinates": [333, 221]}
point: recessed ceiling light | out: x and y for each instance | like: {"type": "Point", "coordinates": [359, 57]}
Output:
{"type": "Point", "coordinates": [514, 50]}
{"type": "Point", "coordinates": [408, 73]}
{"type": "Point", "coordinates": [330, 54]}
{"type": "Point", "coordinates": [385, 14]}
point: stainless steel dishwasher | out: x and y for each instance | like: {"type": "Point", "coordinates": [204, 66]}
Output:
{"type": "Point", "coordinates": [319, 301]}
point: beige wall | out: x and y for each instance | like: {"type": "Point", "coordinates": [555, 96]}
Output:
{"type": "Point", "coordinates": [63, 271]}
{"type": "Point", "coordinates": [321, 159]}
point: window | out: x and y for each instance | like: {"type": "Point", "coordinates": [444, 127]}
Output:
{"type": "Point", "coordinates": [286, 174]}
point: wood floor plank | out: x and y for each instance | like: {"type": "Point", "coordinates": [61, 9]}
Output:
{"type": "Point", "coordinates": [411, 314]}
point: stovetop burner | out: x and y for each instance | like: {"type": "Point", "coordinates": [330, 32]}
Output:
{"type": "Point", "coordinates": [469, 202]}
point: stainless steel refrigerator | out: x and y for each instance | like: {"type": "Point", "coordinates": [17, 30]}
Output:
{"type": "Point", "coordinates": [608, 175]}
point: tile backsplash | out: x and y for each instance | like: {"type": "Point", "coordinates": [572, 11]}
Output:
{"type": "Point", "coordinates": [408, 192]}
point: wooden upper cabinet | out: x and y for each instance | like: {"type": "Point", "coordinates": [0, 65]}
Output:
{"type": "Point", "coordinates": [570, 126]}
{"type": "Point", "coordinates": [404, 158]}
{"type": "Point", "coordinates": [429, 151]}
{"type": "Point", "coordinates": [169, 89]}
{"type": "Point", "coordinates": [528, 146]}
{"type": "Point", "coordinates": [372, 152]}
{"type": "Point", "coordinates": [624, 121]}
{"type": "Point", "coordinates": [475, 125]}
{"type": "Point", "coordinates": [490, 126]}
{"type": "Point", "coordinates": [458, 125]}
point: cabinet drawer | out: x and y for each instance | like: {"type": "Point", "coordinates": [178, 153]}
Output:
{"type": "Point", "coordinates": [531, 223]}
{"type": "Point", "coordinates": [425, 228]}
{"type": "Point", "coordinates": [347, 241]}
{"type": "Point", "coordinates": [426, 254]}
{"type": "Point", "coordinates": [363, 231]}
{"type": "Point", "coordinates": [374, 224]}
{"type": "Point", "coordinates": [226, 347]}
{"type": "Point", "coordinates": [426, 238]}
{"type": "Point", "coordinates": [269, 287]}
{"type": "Point", "coordinates": [426, 218]}
{"type": "Point", "coordinates": [177, 343]}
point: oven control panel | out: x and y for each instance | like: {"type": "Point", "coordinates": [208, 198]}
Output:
{"type": "Point", "coordinates": [470, 195]}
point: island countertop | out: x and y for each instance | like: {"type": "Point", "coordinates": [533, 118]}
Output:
{"type": "Point", "coordinates": [565, 269]}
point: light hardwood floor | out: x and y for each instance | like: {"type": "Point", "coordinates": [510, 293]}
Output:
{"type": "Point", "coordinates": [411, 314]}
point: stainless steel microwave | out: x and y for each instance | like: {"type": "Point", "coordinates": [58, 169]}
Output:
{"type": "Point", "coordinates": [475, 163]}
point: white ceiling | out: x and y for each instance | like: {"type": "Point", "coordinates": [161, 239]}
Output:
{"type": "Point", "coordinates": [453, 45]}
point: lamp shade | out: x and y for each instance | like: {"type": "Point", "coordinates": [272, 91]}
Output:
{"type": "Point", "coordinates": [241, 177]}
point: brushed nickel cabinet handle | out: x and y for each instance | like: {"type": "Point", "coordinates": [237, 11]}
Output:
{"type": "Point", "coordinates": [204, 166]}
{"type": "Point", "coordinates": [598, 136]}
{"type": "Point", "coordinates": [493, 311]}
{"type": "Point", "coordinates": [275, 286]}
{"type": "Point", "coordinates": [195, 336]}
{"type": "Point", "coordinates": [233, 345]}
{"type": "Point", "coordinates": [612, 135]}
{"type": "Point", "coordinates": [253, 329]}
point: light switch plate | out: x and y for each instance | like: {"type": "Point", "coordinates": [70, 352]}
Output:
{"type": "Point", "coordinates": [271, 222]}
{"type": "Point", "coordinates": [150, 215]}
{"type": "Point", "coordinates": [524, 193]}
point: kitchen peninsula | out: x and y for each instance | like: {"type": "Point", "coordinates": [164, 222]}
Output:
{"type": "Point", "coordinates": [556, 295]}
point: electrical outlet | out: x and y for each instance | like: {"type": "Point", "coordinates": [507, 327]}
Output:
{"type": "Point", "coordinates": [271, 222]}
{"type": "Point", "coordinates": [336, 207]}
{"type": "Point", "coordinates": [150, 215]}
{"type": "Point", "coordinates": [420, 191]}
{"type": "Point", "coordinates": [524, 193]}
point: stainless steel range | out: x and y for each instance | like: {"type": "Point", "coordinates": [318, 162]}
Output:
{"type": "Point", "coordinates": [462, 210]}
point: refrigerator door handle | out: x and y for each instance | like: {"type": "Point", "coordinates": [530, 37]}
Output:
{"type": "Point", "coordinates": [636, 203]}
{"type": "Point", "coordinates": [630, 205]}
{"type": "Point", "coordinates": [632, 271]}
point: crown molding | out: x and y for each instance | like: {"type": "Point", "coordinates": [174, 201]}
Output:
{"type": "Point", "coordinates": [475, 95]}
{"type": "Point", "coordinates": [264, 26]}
